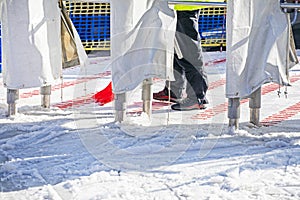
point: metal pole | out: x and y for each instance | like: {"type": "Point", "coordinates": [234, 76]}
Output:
{"type": "Point", "coordinates": [120, 107]}
{"type": "Point", "coordinates": [234, 112]}
{"type": "Point", "coordinates": [295, 14]}
{"type": "Point", "coordinates": [290, 5]}
{"type": "Point", "coordinates": [255, 105]}
{"type": "Point", "coordinates": [147, 96]}
{"type": "Point", "coordinates": [12, 97]}
{"type": "Point", "coordinates": [45, 91]}
{"type": "Point", "coordinates": [224, 4]}
{"type": "Point", "coordinates": [217, 4]}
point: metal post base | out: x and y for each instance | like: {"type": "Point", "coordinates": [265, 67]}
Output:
{"type": "Point", "coordinates": [45, 91]}
{"type": "Point", "coordinates": [147, 96]}
{"type": "Point", "coordinates": [234, 124]}
{"type": "Point", "coordinates": [120, 107]}
{"type": "Point", "coordinates": [254, 116]}
{"type": "Point", "coordinates": [255, 105]}
{"type": "Point", "coordinates": [12, 97]}
{"type": "Point", "coordinates": [234, 112]}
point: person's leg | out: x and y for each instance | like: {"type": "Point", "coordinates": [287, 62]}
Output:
{"type": "Point", "coordinates": [178, 86]}
{"type": "Point", "coordinates": [192, 62]}
{"type": "Point", "coordinates": [190, 44]}
{"type": "Point", "coordinates": [175, 88]}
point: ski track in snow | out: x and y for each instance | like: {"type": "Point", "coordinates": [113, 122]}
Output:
{"type": "Point", "coordinates": [80, 153]}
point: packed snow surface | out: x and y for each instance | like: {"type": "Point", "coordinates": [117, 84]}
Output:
{"type": "Point", "coordinates": [75, 150]}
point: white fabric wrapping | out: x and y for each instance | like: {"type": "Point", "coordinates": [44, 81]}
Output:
{"type": "Point", "coordinates": [257, 46]}
{"type": "Point", "coordinates": [142, 42]}
{"type": "Point", "coordinates": [31, 43]}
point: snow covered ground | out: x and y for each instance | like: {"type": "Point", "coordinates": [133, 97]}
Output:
{"type": "Point", "coordinates": [75, 150]}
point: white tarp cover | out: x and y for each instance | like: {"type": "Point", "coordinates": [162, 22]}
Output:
{"type": "Point", "coordinates": [142, 42]}
{"type": "Point", "coordinates": [257, 46]}
{"type": "Point", "coordinates": [31, 42]}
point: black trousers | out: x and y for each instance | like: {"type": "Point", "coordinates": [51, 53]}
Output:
{"type": "Point", "coordinates": [189, 71]}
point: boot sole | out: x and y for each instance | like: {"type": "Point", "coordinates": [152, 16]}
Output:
{"type": "Point", "coordinates": [168, 100]}
{"type": "Point", "coordinates": [188, 108]}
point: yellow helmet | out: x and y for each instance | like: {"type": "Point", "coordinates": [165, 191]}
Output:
{"type": "Point", "coordinates": [190, 7]}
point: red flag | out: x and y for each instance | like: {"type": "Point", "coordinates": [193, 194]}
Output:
{"type": "Point", "coordinates": [104, 96]}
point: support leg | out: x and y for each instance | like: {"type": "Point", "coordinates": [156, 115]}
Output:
{"type": "Point", "coordinates": [147, 96]}
{"type": "Point", "coordinates": [255, 105]}
{"type": "Point", "coordinates": [45, 91]}
{"type": "Point", "coordinates": [234, 112]}
{"type": "Point", "coordinates": [120, 107]}
{"type": "Point", "coordinates": [12, 97]}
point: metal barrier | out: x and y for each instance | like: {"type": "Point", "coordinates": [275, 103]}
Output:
{"type": "Point", "coordinates": [212, 26]}
{"type": "Point", "coordinates": [198, 3]}
{"type": "Point", "coordinates": [220, 4]}
{"type": "Point", "coordinates": [92, 21]}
